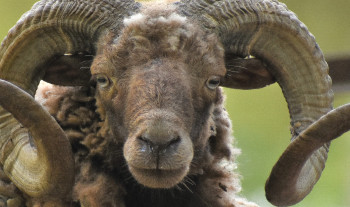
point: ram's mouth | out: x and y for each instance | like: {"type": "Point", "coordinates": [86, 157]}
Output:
{"type": "Point", "coordinates": [159, 178]}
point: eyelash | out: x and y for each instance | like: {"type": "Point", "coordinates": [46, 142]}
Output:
{"type": "Point", "coordinates": [102, 80]}
{"type": "Point", "coordinates": [213, 82]}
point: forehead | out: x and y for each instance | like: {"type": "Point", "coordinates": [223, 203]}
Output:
{"type": "Point", "coordinates": [161, 33]}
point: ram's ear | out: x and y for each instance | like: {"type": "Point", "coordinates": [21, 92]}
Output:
{"type": "Point", "coordinates": [246, 73]}
{"type": "Point", "coordinates": [69, 70]}
{"type": "Point", "coordinates": [339, 65]}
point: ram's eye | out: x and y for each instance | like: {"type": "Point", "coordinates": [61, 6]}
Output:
{"type": "Point", "coordinates": [102, 80]}
{"type": "Point", "coordinates": [213, 82]}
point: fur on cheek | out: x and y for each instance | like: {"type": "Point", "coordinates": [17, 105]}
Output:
{"type": "Point", "coordinates": [220, 183]}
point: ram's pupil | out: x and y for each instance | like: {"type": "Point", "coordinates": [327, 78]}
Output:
{"type": "Point", "coordinates": [213, 83]}
{"type": "Point", "coordinates": [102, 80]}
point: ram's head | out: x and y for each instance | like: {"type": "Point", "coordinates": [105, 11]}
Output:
{"type": "Point", "coordinates": [157, 70]}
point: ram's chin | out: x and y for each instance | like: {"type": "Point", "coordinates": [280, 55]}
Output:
{"type": "Point", "coordinates": [157, 178]}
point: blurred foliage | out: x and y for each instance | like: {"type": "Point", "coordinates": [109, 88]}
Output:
{"type": "Point", "coordinates": [260, 117]}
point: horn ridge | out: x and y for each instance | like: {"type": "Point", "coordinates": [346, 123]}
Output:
{"type": "Point", "coordinates": [65, 26]}
{"type": "Point", "coordinates": [43, 163]}
{"type": "Point", "coordinates": [271, 33]}
{"type": "Point", "coordinates": [43, 38]}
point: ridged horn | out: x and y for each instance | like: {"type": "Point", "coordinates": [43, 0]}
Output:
{"type": "Point", "coordinates": [51, 37]}
{"type": "Point", "coordinates": [267, 30]}
{"type": "Point", "coordinates": [49, 167]}
{"type": "Point", "coordinates": [324, 130]}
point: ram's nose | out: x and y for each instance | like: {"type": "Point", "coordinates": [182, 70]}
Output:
{"type": "Point", "coordinates": [159, 154]}
{"type": "Point", "coordinates": [159, 145]}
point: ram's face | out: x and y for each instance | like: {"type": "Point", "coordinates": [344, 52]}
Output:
{"type": "Point", "coordinates": [157, 87]}
{"type": "Point", "coordinates": [157, 76]}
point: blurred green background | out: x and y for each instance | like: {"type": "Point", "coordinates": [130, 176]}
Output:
{"type": "Point", "coordinates": [260, 117]}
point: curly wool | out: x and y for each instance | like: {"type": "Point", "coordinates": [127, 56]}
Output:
{"type": "Point", "coordinates": [99, 176]}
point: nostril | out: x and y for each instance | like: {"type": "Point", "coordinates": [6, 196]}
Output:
{"type": "Point", "coordinates": [144, 140]}
{"type": "Point", "coordinates": [145, 144]}
{"type": "Point", "coordinates": [148, 145]}
{"type": "Point", "coordinates": [174, 141]}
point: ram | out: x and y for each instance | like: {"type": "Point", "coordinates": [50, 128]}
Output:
{"type": "Point", "coordinates": [137, 115]}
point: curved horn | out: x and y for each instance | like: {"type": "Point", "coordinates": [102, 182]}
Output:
{"type": "Point", "coordinates": [44, 163]}
{"type": "Point", "coordinates": [268, 31]}
{"type": "Point", "coordinates": [52, 36]}
{"type": "Point", "coordinates": [324, 130]}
